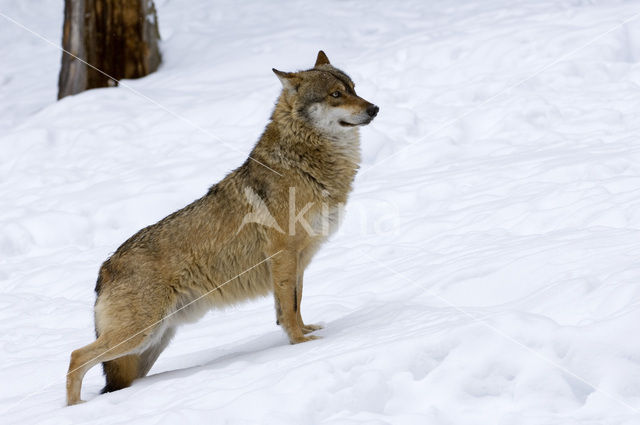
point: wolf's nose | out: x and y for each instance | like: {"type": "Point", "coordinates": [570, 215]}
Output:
{"type": "Point", "coordinates": [372, 110]}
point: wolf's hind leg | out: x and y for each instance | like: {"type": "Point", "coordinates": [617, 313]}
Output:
{"type": "Point", "coordinates": [108, 346]}
{"type": "Point", "coordinates": [121, 372]}
{"type": "Point", "coordinates": [149, 356]}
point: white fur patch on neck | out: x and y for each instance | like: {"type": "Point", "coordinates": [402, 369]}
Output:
{"type": "Point", "coordinates": [327, 120]}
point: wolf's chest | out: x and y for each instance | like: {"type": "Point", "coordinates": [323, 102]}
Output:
{"type": "Point", "coordinates": [326, 220]}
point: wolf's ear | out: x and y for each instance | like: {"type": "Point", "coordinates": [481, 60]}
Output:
{"type": "Point", "coordinates": [322, 59]}
{"type": "Point", "coordinates": [290, 80]}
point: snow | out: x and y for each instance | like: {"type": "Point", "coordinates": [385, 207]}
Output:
{"type": "Point", "coordinates": [487, 270]}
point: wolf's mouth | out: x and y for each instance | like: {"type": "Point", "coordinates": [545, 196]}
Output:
{"type": "Point", "coordinates": [350, 124]}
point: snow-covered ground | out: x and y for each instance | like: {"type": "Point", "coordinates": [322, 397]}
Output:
{"type": "Point", "coordinates": [488, 270]}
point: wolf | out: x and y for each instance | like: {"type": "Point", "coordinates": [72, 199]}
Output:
{"type": "Point", "coordinates": [209, 255]}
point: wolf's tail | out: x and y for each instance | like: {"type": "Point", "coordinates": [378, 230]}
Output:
{"type": "Point", "coordinates": [120, 372]}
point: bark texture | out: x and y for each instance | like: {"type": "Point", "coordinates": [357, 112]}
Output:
{"type": "Point", "coordinates": [117, 38]}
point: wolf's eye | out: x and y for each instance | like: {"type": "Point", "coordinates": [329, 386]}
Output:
{"type": "Point", "coordinates": [336, 94]}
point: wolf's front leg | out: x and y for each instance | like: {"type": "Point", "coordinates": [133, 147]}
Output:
{"type": "Point", "coordinates": [284, 270]}
{"type": "Point", "coordinates": [305, 328]}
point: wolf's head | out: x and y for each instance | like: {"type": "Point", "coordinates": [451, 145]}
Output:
{"type": "Point", "coordinates": [325, 98]}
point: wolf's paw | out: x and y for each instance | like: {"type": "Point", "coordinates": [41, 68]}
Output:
{"type": "Point", "coordinates": [75, 402]}
{"type": "Point", "coordinates": [310, 328]}
{"type": "Point", "coordinates": [304, 339]}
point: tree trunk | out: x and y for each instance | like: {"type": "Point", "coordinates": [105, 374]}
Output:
{"type": "Point", "coordinates": [117, 38]}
